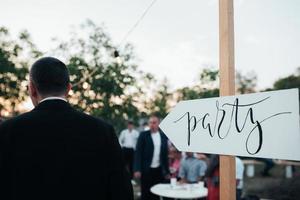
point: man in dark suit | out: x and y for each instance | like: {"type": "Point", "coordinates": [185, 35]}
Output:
{"type": "Point", "coordinates": [151, 158]}
{"type": "Point", "coordinates": [56, 152]}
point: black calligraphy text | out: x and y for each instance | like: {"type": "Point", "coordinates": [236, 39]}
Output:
{"type": "Point", "coordinates": [229, 111]}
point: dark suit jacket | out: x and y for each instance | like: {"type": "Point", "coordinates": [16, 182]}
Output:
{"type": "Point", "coordinates": [144, 153]}
{"type": "Point", "coordinates": [56, 152]}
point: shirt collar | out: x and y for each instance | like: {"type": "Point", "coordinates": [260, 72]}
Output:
{"type": "Point", "coordinates": [53, 98]}
{"type": "Point", "coordinates": [155, 133]}
{"type": "Point", "coordinates": [193, 157]}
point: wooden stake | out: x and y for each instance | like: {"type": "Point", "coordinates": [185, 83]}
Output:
{"type": "Point", "coordinates": [227, 87]}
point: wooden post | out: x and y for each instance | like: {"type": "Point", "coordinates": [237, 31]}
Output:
{"type": "Point", "coordinates": [227, 87]}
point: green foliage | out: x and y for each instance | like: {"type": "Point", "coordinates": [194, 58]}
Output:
{"type": "Point", "coordinates": [214, 92]}
{"type": "Point", "coordinates": [102, 85]}
{"type": "Point", "coordinates": [188, 93]}
{"type": "Point", "coordinates": [160, 105]}
{"type": "Point", "coordinates": [208, 85]}
{"type": "Point", "coordinates": [164, 99]}
{"type": "Point", "coordinates": [291, 81]}
{"type": "Point", "coordinates": [246, 83]}
{"type": "Point", "coordinates": [14, 58]}
{"type": "Point", "coordinates": [288, 82]}
{"type": "Point", "coordinates": [206, 88]}
{"type": "Point", "coordinates": [209, 76]}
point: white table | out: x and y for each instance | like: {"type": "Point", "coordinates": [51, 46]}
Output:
{"type": "Point", "coordinates": [185, 191]}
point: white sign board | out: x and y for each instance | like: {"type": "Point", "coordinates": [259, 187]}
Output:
{"type": "Point", "coordinates": [253, 125]}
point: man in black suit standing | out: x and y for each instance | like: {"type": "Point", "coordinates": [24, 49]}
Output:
{"type": "Point", "coordinates": [151, 158]}
{"type": "Point", "coordinates": [56, 152]}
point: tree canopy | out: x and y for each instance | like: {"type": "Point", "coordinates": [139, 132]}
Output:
{"type": "Point", "coordinates": [106, 80]}
{"type": "Point", "coordinates": [15, 56]}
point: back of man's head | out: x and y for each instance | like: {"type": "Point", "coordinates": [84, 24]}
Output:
{"type": "Point", "coordinates": [50, 77]}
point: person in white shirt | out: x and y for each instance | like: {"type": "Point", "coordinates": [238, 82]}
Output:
{"type": "Point", "coordinates": [145, 126]}
{"type": "Point", "coordinates": [127, 140]}
{"type": "Point", "coordinates": [151, 164]}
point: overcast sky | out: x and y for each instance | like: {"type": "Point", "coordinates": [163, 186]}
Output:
{"type": "Point", "coordinates": [177, 38]}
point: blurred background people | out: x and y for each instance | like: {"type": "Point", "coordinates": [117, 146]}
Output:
{"type": "Point", "coordinates": [269, 164]}
{"type": "Point", "coordinates": [192, 170]}
{"type": "Point", "coordinates": [145, 126]}
{"type": "Point", "coordinates": [128, 139]}
{"type": "Point", "coordinates": [202, 156]}
{"type": "Point", "coordinates": [174, 161]}
{"type": "Point", "coordinates": [151, 158]}
{"type": "Point", "coordinates": [213, 178]}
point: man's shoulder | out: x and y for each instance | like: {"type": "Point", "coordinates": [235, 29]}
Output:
{"type": "Point", "coordinates": [201, 163]}
{"type": "Point", "coordinates": [94, 120]}
{"type": "Point", "coordinates": [135, 131]}
{"type": "Point", "coordinates": [15, 122]}
{"type": "Point", "coordinates": [17, 119]}
{"type": "Point", "coordinates": [85, 118]}
{"type": "Point", "coordinates": [35, 116]}
{"type": "Point", "coordinates": [163, 134]}
{"type": "Point", "coordinates": [144, 133]}
{"type": "Point", "coordinates": [124, 131]}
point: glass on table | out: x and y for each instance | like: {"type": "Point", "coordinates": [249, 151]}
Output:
{"type": "Point", "coordinates": [173, 182]}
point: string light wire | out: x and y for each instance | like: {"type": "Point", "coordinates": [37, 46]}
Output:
{"type": "Point", "coordinates": [116, 53]}
{"type": "Point", "coordinates": [137, 22]}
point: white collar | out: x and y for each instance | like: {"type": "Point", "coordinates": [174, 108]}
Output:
{"type": "Point", "coordinates": [155, 133]}
{"type": "Point", "coordinates": [53, 98]}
